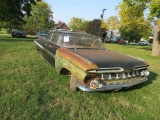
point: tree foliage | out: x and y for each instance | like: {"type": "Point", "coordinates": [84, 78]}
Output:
{"type": "Point", "coordinates": [104, 25]}
{"type": "Point", "coordinates": [155, 12]}
{"type": "Point", "coordinates": [41, 18]}
{"type": "Point", "coordinates": [78, 24]}
{"type": "Point", "coordinates": [94, 27]}
{"type": "Point", "coordinates": [153, 6]}
{"type": "Point", "coordinates": [113, 23]}
{"type": "Point", "coordinates": [133, 24]}
{"type": "Point", "coordinates": [13, 11]}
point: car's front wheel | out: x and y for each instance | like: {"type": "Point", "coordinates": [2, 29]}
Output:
{"type": "Point", "coordinates": [73, 82]}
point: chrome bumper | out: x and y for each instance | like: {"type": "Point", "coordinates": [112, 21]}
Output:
{"type": "Point", "coordinates": [129, 83]}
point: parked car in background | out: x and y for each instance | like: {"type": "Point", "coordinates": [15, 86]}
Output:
{"type": "Point", "coordinates": [90, 65]}
{"type": "Point", "coordinates": [18, 33]}
{"type": "Point", "coordinates": [114, 39]}
{"type": "Point", "coordinates": [144, 42]}
{"type": "Point", "coordinates": [42, 33]}
{"type": "Point", "coordinates": [123, 41]}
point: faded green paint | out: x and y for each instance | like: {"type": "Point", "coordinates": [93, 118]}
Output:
{"type": "Point", "coordinates": [61, 62]}
{"type": "Point", "coordinates": [77, 65]}
{"type": "Point", "coordinates": [79, 61]}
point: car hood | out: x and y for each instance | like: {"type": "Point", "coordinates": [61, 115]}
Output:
{"type": "Point", "coordinates": [108, 59]}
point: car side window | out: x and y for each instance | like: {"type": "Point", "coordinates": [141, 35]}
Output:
{"type": "Point", "coordinates": [55, 38]}
{"type": "Point", "coordinates": [49, 37]}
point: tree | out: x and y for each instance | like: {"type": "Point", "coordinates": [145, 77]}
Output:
{"type": "Point", "coordinates": [155, 12]}
{"type": "Point", "coordinates": [104, 25]}
{"type": "Point", "coordinates": [78, 24]}
{"type": "Point", "coordinates": [13, 11]}
{"type": "Point", "coordinates": [153, 6]}
{"type": "Point", "coordinates": [41, 18]}
{"type": "Point", "coordinates": [130, 35]}
{"type": "Point", "coordinates": [133, 24]}
{"type": "Point", "coordinates": [94, 27]}
{"type": "Point", "coordinates": [113, 23]}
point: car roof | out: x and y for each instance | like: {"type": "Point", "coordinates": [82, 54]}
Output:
{"type": "Point", "coordinates": [41, 31]}
{"type": "Point", "coordinates": [143, 41]}
{"type": "Point", "coordinates": [67, 32]}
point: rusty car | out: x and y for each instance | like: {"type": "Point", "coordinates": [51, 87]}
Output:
{"type": "Point", "coordinates": [90, 65]}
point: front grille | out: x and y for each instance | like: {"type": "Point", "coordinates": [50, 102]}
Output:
{"type": "Point", "coordinates": [120, 75]}
{"type": "Point", "coordinates": [116, 75]}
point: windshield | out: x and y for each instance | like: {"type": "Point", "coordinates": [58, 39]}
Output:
{"type": "Point", "coordinates": [74, 40]}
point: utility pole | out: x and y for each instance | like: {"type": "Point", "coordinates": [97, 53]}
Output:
{"type": "Point", "coordinates": [102, 13]}
{"type": "Point", "coordinates": [101, 16]}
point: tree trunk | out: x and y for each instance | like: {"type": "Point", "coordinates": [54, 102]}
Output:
{"type": "Point", "coordinates": [156, 42]}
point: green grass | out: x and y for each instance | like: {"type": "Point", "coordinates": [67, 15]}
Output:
{"type": "Point", "coordinates": [30, 89]}
{"type": "Point", "coordinates": [3, 31]}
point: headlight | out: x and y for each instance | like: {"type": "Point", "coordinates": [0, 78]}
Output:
{"type": "Point", "coordinates": [145, 73]}
{"type": "Point", "coordinates": [142, 73]}
{"type": "Point", "coordinates": [93, 81]}
{"type": "Point", "coordinates": [94, 84]}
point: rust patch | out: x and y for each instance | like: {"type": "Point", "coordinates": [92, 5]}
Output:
{"type": "Point", "coordinates": [79, 61]}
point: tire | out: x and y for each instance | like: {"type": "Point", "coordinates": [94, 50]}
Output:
{"type": "Point", "coordinates": [72, 86]}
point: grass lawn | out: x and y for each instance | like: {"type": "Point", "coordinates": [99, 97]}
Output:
{"type": "Point", "coordinates": [30, 89]}
{"type": "Point", "coordinates": [3, 31]}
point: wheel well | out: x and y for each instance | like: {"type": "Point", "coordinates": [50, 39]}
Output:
{"type": "Point", "coordinates": [65, 71]}
{"type": "Point", "coordinates": [38, 50]}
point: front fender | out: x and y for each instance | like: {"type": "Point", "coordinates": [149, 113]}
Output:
{"type": "Point", "coordinates": [62, 63]}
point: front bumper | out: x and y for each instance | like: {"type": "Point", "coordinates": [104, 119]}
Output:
{"type": "Point", "coordinates": [115, 86]}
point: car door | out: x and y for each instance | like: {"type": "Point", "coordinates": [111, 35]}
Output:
{"type": "Point", "coordinates": [51, 47]}
{"type": "Point", "coordinates": [46, 53]}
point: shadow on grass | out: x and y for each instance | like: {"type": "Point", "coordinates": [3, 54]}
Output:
{"type": "Point", "coordinates": [10, 39]}
{"type": "Point", "coordinates": [151, 78]}
{"type": "Point", "coordinates": [149, 48]}
{"type": "Point", "coordinates": [146, 48]}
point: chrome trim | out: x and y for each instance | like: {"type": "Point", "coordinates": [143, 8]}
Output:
{"type": "Point", "coordinates": [107, 70]}
{"type": "Point", "coordinates": [117, 77]}
{"type": "Point", "coordinates": [124, 76]}
{"type": "Point", "coordinates": [140, 67]}
{"type": "Point", "coordinates": [51, 54]}
{"type": "Point", "coordinates": [110, 77]}
{"type": "Point", "coordinates": [36, 43]}
{"type": "Point", "coordinates": [128, 75]}
{"type": "Point", "coordinates": [133, 74]}
{"type": "Point", "coordinates": [129, 83]}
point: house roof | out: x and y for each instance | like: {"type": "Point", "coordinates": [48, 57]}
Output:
{"type": "Point", "coordinates": [61, 25]}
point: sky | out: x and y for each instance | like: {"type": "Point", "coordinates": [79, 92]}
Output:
{"type": "Point", "coordinates": [65, 10]}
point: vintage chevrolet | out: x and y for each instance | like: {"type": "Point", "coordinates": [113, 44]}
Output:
{"type": "Point", "coordinates": [90, 65]}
